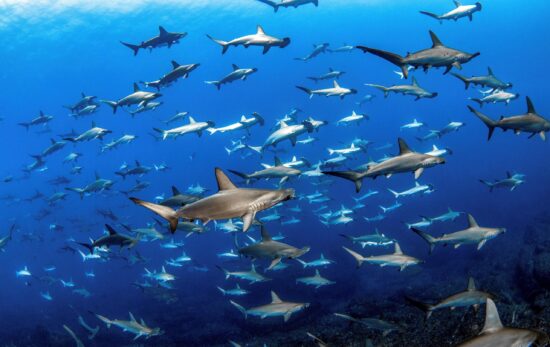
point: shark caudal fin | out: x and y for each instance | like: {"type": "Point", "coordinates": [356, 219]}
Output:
{"type": "Point", "coordinates": [26, 125]}
{"type": "Point", "coordinates": [273, 4]}
{"type": "Point", "coordinates": [382, 88]}
{"type": "Point", "coordinates": [308, 91]}
{"type": "Point", "coordinates": [358, 257]}
{"type": "Point", "coordinates": [393, 58]}
{"type": "Point", "coordinates": [427, 237]}
{"type": "Point", "coordinates": [488, 184]}
{"type": "Point", "coordinates": [239, 307]}
{"type": "Point", "coordinates": [429, 14]}
{"type": "Point", "coordinates": [80, 191]}
{"type": "Point", "coordinates": [165, 212]}
{"type": "Point", "coordinates": [226, 272]}
{"type": "Point", "coordinates": [463, 79]}
{"type": "Point", "coordinates": [491, 124]}
{"type": "Point", "coordinates": [353, 176]}
{"type": "Point", "coordinates": [88, 246]}
{"type": "Point", "coordinates": [134, 48]}
{"type": "Point", "coordinates": [105, 320]}
{"type": "Point", "coordinates": [164, 133]}
{"type": "Point", "coordinates": [112, 104]}
{"type": "Point", "coordinates": [478, 100]}
{"type": "Point", "coordinates": [304, 264]}
{"type": "Point", "coordinates": [426, 308]}
{"type": "Point", "coordinates": [224, 44]}
{"type": "Point", "coordinates": [396, 194]}
{"type": "Point", "coordinates": [221, 290]}
{"type": "Point", "coordinates": [241, 175]}
{"type": "Point", "coordinates": [215, 83]}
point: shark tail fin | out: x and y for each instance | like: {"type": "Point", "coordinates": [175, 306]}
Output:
{"type": "Point", "coordinates": [221, 290]}
{"type": "Point", "coordinates": [491, 124]}
{"type": "Point", "coordinates": [112, 104]}
{"type": "Point", "coordinates": [429, 14]}
{"type": "Point", "coordinates": [314, 79]}
{"type": "Point", "coordinates": [241, 175]}
{"type": "Point", "coordinates": [427, 237]}
{"type": "Point", "coordinates": [353, 176]}
{"type": "Point", "coordinates": [382, 88]}
{"type": "Point", "coordinates": [87, 245]}
{"type": "Point", "coordinates": [479, 101]}
{"type": "Point", "coordinates": [304, 264]}
{"type": "Point", "coordinates": [239, 307]}
{"type": "Point", "coordinates": [165, 212]}
{"type": "Point", "coordinates": [134, 48]}
{"type": "Point", "coordinates": [215, 83]}
{"type": "Point", "coordinates": [462, 78]}
{"type": "Point", "coordinates": [163, 132]}
{"type": "Point", "coordinates": [105, 320]}
{"type": "Point", "coordinates": [396, 194]}
{"type": "Point", "coordinates": [221, 43]}
{"type": "Point", "coordinates": [358, 257]}
{"type": "Point", "coordinates": [257, 149]}
{"type": "Point", "coordinates": [227, 274]}
{"type": "Point", "coordinates": [393, 58]}
{"type": "Point", "coordinates": [488, 184]}
{"type": "Point", "coordinates": [427, 308]}
{"type": "Point", "coordinates": [80, 191]}
{"type": "Point", "coordinates": [308, 91]}
{"type": "Point", "coordinates": [26, 125]}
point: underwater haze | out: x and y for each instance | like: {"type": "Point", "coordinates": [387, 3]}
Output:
{"type": "Point", "coordinates": [319, 265]}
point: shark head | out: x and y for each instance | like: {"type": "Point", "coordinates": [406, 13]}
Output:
{"type": "Point", "coordinates": [286, 42]}
{"type": "Point", "coordinates": [464, 57]}
{"type": "Point", "coordinates": [432, 161]}
{"type": "Point", "coordinates": [353, 91]}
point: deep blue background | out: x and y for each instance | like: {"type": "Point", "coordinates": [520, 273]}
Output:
{"type": "Point", "coordinates": [51, 53]}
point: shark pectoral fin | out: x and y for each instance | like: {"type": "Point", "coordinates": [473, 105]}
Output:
{"type": "Point", "coordinates": [457, 245]}
{"type": "Point", "coordinates": [263, 316]}
{"type": "Point", "coordinates": [457, 65]}
{"type": "Point", "coordinates": [274, 263]}
{"type": "Point", "coordinates": [452, 308]}
{"type": "Point", "coordinates": [293, 140]}
{"type": "Point", "coordinates": [542, 135]}
{"type": "Point", "coordinates": [248, 219]}
{"type": "Point", "coordinates": [266, 49]}
{"type": "Point", "coordinates": [418, 173]}
{"type": "Point", "coordinates": [287, 316]}
{"type": "Point", "coordinates": [479, 245]}
{"type": "Point", "coordinates": [388, 175]}
{"type": "Point", "coordinates": [447, 69]}
{"type": "Point", "coordinates": [403, 267]}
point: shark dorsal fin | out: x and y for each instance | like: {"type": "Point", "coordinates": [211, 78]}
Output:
{"type": "Point", "coordinates": [175, 191]}
{"type": "Point", "coordinates": [492, 319]}
{"type": "Point", "coordinates": [136, 87]}
{"type": "Point", "coordinates": [322, 256]}
{"type": "Point", "coordinates": [238, 286]}
{"type": "Point", "coordinates": [434, 147]}
{"type": "Point", "coordinates": [278, 161]}
{"type": "Point", "coordinates": [294, 158]}
{"type": "Point", "coordinates": [110, 229]}
{"type": "Point", "coordinates": [282, 124]}
{"type": "Point", "coordinates": [416, 184]}
{"type": "Point", "coordinates": [162, 31]}
{"type": "Point", "coordinates": [131, 317]}
{"type": "Point", "coordinates": [275, 298]}
{"type": "Point", "coordinates": [435, 40]}
{"type": "Point", "coordinates": [163, 269]}
{"type": "Point", "coordinates": [336, 85]}
{"type": "Point", "coordinates": [175, 64]}
{"type": "Point", "coordinates": [490, 71]}
{"type": "Point", "coordinates": [457, 3]}
{"type": "Point", "coordinates": [471, 284]}
{"type": "Point", "coordinates": [93, 124]}
{"type": "Point", "coordinates": [330, 69]}
{"type": "Point", "coordinates": [414, 82]}
{"type": "Point", "coordinates": [192, 120]}
{"type": "Point", "coordinates": [403, 147]}
{"type": "Point", "coordinates": [397, 249]}
{"type": "Point", "coordinates": [376, 231]}
{"type": "Point", "coordinates": [224, 183]}
{"type": "Point", "coordinates": [253, 268]}
{"type": "Point", "coordinates": [82, 94]}
{"type": "Point", "coordinates": [41, 113]}
{"type": "Point", "coordinates": [265, 234]}
{"type": "Point", "coordinates": [138, 164]}
{"type": "Point", "coordinates": [472, 222]}
{"type": "Point", "coordinates": [317, 274]}
{"type": "Point", "coordinates": [508, 174]}
{"type": "Point", "coordinates": [97, 176]}
{"type": "Point", "coordinates": [235, 67]}
{"type": "Point", "coordinates": [260, 30]}
{"type": "Point", "coordinates": [530, 107]}
{"type": "Point", "coordinates": [52, 141]}
{"type": "Point", "coordinates": [243, 119]}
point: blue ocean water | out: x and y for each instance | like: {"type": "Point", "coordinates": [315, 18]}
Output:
{"type": "Point", "coordinates": [53, 51]}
